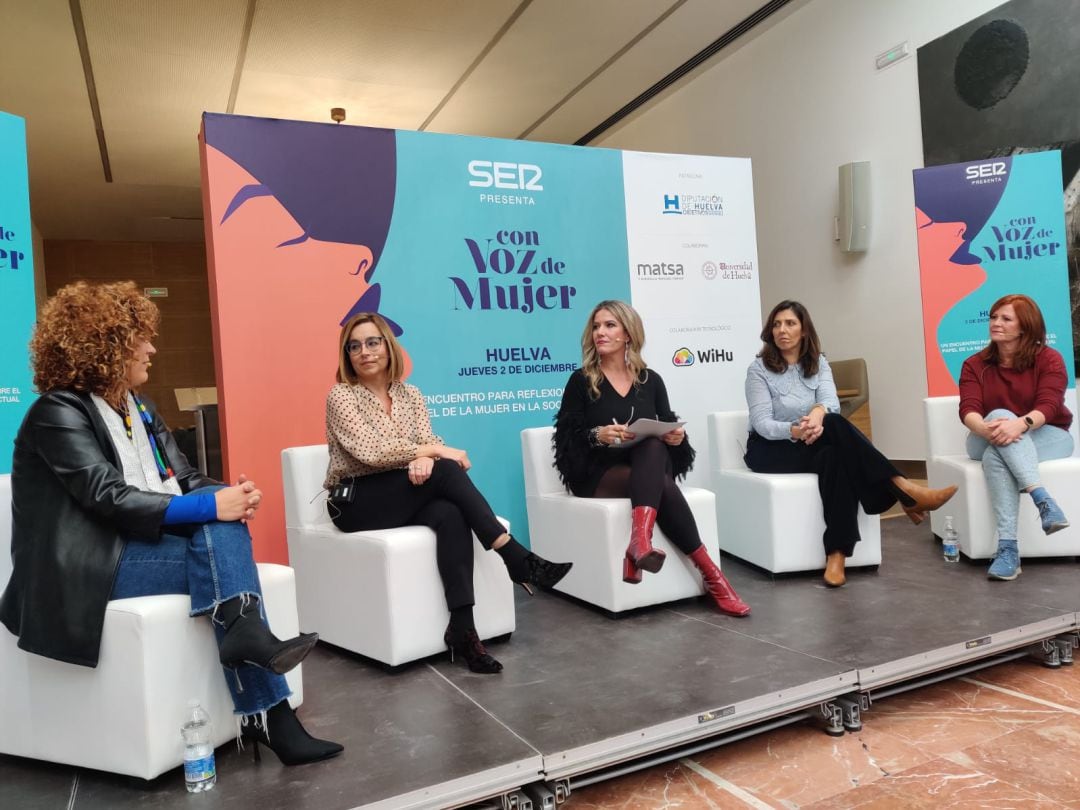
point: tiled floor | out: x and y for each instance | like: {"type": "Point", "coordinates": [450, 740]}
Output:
{"type": "Point", "coordinates": [1006, 737]}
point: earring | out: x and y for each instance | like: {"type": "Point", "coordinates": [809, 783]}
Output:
{"type": "Point", "coordinates": [626, 354]}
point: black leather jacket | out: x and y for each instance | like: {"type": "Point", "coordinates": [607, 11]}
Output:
{"type": "Point", "coordinates": [71, 510]}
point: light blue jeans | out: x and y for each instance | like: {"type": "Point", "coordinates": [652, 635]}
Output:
{"type": "Point", "coordinates": [213, 563]}
{"type": "Point", "coordinates": [1012, 468]}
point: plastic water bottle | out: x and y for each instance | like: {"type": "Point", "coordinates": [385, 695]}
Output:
{"type": "Point", "coordinates": [950, 545]}
{"type": "Point", "coordinates": [200, 773]}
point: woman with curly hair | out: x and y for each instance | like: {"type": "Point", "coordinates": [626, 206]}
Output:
{"type": "Point", "coordinates": [611, 389]}
{"type": "Point", "coordinates": [105, 507]}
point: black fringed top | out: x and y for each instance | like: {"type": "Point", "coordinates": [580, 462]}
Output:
{"type": "Point", "coordinates": [580, 465]}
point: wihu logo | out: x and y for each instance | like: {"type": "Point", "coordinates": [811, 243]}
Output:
{"type": "Point", "coordinates": [682, 357]}
{"type": "Point", "coordinates": [715, 355]}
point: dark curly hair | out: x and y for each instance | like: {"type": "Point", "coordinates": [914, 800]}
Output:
{"type": "Point", "coordinates": [86, 335]}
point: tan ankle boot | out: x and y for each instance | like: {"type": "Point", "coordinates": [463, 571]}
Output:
{"type": "Point", "coordinates": [925, 499]}
{"type": "Point", "coordinates": [834, 569]}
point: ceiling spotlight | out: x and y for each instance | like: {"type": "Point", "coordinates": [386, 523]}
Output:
{"type": "Point", "coordinates": [337, 114]}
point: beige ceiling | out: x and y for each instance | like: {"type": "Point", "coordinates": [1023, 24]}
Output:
{"type": "Point", "coordinates": [546, 70]}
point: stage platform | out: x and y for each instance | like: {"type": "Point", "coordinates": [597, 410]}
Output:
{"type": "Point", "coordinates": [584, 696]}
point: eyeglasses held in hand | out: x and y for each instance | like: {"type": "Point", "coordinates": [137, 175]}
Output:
{"type": "Point", "coordinates": [372, 344]}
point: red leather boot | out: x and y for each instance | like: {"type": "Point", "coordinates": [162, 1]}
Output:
{"type": "Point", "coordinates": [727, 601]}
{"type": "Point", "coordinates": [640, 552]}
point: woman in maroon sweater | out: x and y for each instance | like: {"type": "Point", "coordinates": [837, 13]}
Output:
{"type": "Point", "coordinates": [1012, 399]}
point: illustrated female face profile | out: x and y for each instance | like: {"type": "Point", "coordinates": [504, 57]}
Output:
{"type": "Point", "coordinates": [297, 218]}
{"type": "Point", "coordinates": [945, 284]}
{"type": "Point", "coordinates": [939, 240]}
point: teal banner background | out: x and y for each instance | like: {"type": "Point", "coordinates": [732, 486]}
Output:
{"type": "Point", "coordinates": [501, 279]}
{"type": "Point", "coordinates": [1009, 218]}
{"type": "Point", "coordinates": [16, 283]}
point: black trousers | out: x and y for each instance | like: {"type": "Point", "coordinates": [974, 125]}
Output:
{"type": "Point", "coordinates": [850, 471]}
{"type": "Point", "coordinates": [448, 502]}
{"type": "Point", "coordinates": [647, 481]}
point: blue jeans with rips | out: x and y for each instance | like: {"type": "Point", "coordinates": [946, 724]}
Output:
{"type": "Point", "coordinates": [1012, 468]}
{"type": "Point", "coordinates": [213, 563]}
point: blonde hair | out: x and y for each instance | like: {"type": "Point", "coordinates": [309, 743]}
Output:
{"type": "Point", "coordinates": [630, 321]}
{"type": "Point", "coordinates": [345, 371]}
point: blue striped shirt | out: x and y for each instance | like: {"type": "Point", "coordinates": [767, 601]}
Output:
{"type": "Point", "coordinates": [778, 400]}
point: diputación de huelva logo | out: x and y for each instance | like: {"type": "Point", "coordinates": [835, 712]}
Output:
{"type": "Point", "coordinates": [694, 205]}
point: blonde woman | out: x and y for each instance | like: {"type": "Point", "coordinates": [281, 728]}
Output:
{"type": "Point", "coordinates": [612, 388]}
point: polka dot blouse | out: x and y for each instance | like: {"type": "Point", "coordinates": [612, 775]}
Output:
{"type": "Point", "coordinates": [364, 439]}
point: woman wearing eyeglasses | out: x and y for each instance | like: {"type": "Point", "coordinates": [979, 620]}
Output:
{"type": "Point", "coordinates": [611, 389]}
{"type": "Point", "coordinates": [401, 473]}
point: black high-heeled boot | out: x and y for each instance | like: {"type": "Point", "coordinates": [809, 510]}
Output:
{"type": "Point", "coordinates": [468, 645]}
{"type": "Point", "coordinates": [526, 568]}
{"type": "Point", "coordinates": [249, 641]}
{"type": "Point", "coordinates": [285, 736]}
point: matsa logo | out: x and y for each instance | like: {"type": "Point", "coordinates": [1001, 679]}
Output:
{"type": "Point", "coordinates": [493, 174]}
{"type": "Point", "coordinates": [982, 170]}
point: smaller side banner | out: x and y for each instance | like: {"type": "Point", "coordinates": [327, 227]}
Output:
{"type": "Point", "coordinates": [694, 279]}
{"type": "Point", "coordinates": [987, 229]}
{"type": "Point", "coordinates": [16, 283]}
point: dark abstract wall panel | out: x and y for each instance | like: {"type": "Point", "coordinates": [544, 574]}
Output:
{"type": "Point", "coordinates": [1007, 83]}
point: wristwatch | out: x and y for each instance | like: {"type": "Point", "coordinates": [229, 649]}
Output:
{"type": "Point", "coordinates": [1030, 423]}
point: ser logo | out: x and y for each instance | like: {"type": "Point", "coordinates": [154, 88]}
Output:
{"type": "Point", "coordinates": [985, 170]}
{"type": "Point", "coordinates": [516, 176]}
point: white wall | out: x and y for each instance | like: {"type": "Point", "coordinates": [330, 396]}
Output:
{"type": "Point", "coordinates": [799, 100]}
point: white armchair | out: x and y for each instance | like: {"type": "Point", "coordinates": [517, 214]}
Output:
{"type": "Point", "coordinates": [593, 533]}
{"type": "Point", "coordinates": [947, 463]}
{"type": "Point", "coordinates": [774, 521]}
{"type": "Point", "coordinates": [378, 592]}
{"type": "Point", "coordinates": [124, 716]}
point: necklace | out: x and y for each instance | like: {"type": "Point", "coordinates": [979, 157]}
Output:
{"type": "Point", "coordinates": [164, 470]}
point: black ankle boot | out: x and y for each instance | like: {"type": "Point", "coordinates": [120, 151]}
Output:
{"type": "Point", "coordinates": [526, 568]}
{"type": "Point", "coordinates": [468, 645]}
{"type": "Point", "coordinates": [248, 640]}
{"type": "Point", "coordinates": [284, 735]}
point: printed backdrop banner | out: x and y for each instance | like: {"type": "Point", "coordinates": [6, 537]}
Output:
{"type": "Point", "coordinates": [694, 279]}
{"type": "Point", "coordinates": [17, 286]}
{"type": "Point", "coordinates": [987, 229]}
{"type": "Point", "coordinates": [486, 256]}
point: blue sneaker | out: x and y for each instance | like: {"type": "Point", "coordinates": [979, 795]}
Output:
{"type": "Point", "coordinates": [1053, 519]}
{"type": "Point", "coordinates": [1006, 564]}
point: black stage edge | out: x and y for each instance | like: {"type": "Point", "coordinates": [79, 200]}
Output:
{"type": "Point", "coordinates": [585, 697]}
